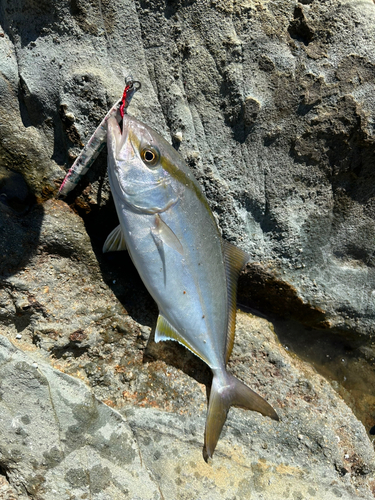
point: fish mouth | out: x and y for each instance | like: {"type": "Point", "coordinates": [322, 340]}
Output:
{"type": "Point", "coordinates": [129, 144]}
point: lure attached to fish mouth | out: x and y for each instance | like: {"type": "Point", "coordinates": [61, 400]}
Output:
{"type": "Point", "coordinates": [168, 228]}
{"type": "Point", "coordinates": [173, 240]}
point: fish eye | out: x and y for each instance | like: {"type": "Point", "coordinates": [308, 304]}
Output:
{"type": "Point", "coordinates": [150, 155]}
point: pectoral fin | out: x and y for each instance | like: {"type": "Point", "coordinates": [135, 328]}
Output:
{"type": "Point", "coordinates": [115, 241]}
{"type": "Point", "coordinates": [166, 235]}
{"type": "Point", "coordinates": [235, 259]}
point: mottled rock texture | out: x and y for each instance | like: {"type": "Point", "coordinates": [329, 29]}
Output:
{"type": "Point", "coordinates": [275, 105]}
{"type": "Point", "coordinates": [274, 101]}
{"type": "Point", "coordinates": [58, 441]}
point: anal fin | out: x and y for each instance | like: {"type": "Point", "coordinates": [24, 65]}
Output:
{"type": "Point", "coordinates": [165, 331]}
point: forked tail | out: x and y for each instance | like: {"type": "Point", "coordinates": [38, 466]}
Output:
{"type": "Point", "coordinates": [227, 391]}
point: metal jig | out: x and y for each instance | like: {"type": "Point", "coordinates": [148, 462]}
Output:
{"type": "Point", "coordinates": [96, 142]}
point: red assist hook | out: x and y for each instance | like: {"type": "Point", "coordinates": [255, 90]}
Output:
{"type": "Point", "coordinates": [131, 86]}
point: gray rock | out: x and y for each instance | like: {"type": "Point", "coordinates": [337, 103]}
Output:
{"type": "Point", "coordinates": [7, 492]}
{"type": "Point", "coordinates": [58, 441]}
{"type": "Point", "coordinates": [272, 105]}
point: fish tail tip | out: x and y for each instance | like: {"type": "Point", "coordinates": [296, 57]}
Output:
{"type": "Point", "coordinates": [275, 416]}
{"type": "Point", "coordinates": [218, 407]}
{"type": "Point", "coordinates": [207, 455]}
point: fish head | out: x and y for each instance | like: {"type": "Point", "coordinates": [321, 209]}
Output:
{"type": "Point", "coordinates": [142, 168]}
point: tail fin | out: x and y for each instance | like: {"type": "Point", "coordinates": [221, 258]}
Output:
{"type": "Point", "coordinates": [227, 392]}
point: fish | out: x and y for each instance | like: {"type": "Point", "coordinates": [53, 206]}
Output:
{"type": "Point", "coordinates": [169, 230]}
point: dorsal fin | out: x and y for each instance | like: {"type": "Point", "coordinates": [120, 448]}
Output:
{"type": "Point", "coordinates": [234, 259]}
{"type": "Point", "coordinates": [115, 241]}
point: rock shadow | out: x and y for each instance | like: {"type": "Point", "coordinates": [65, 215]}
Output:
{"type": "Point", "coordinates": [20, 223]}
{"type": "Point", "coordinates": [344, 361]}
{"type": "Point", "coordinates": [178, 356]}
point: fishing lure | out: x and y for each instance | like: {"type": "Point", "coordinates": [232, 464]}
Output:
{"type": "Point", "coordinates": [98, 139]}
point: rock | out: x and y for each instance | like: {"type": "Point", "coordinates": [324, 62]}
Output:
{"type": "Point", "coordinates": [58, 441]}
{"type": "Point", "coordinates": [271, 104]}
{"type": "Point", "coordinates": [274, 104]}
{"type": "Point", "coordinates": [6, 490]}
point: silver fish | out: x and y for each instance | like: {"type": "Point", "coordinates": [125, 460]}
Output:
{"type": "Point", "coordinates": [173, 240]}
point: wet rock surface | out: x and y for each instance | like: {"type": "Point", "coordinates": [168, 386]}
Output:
{"type": "Point", "coordinates": [272, 105]}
